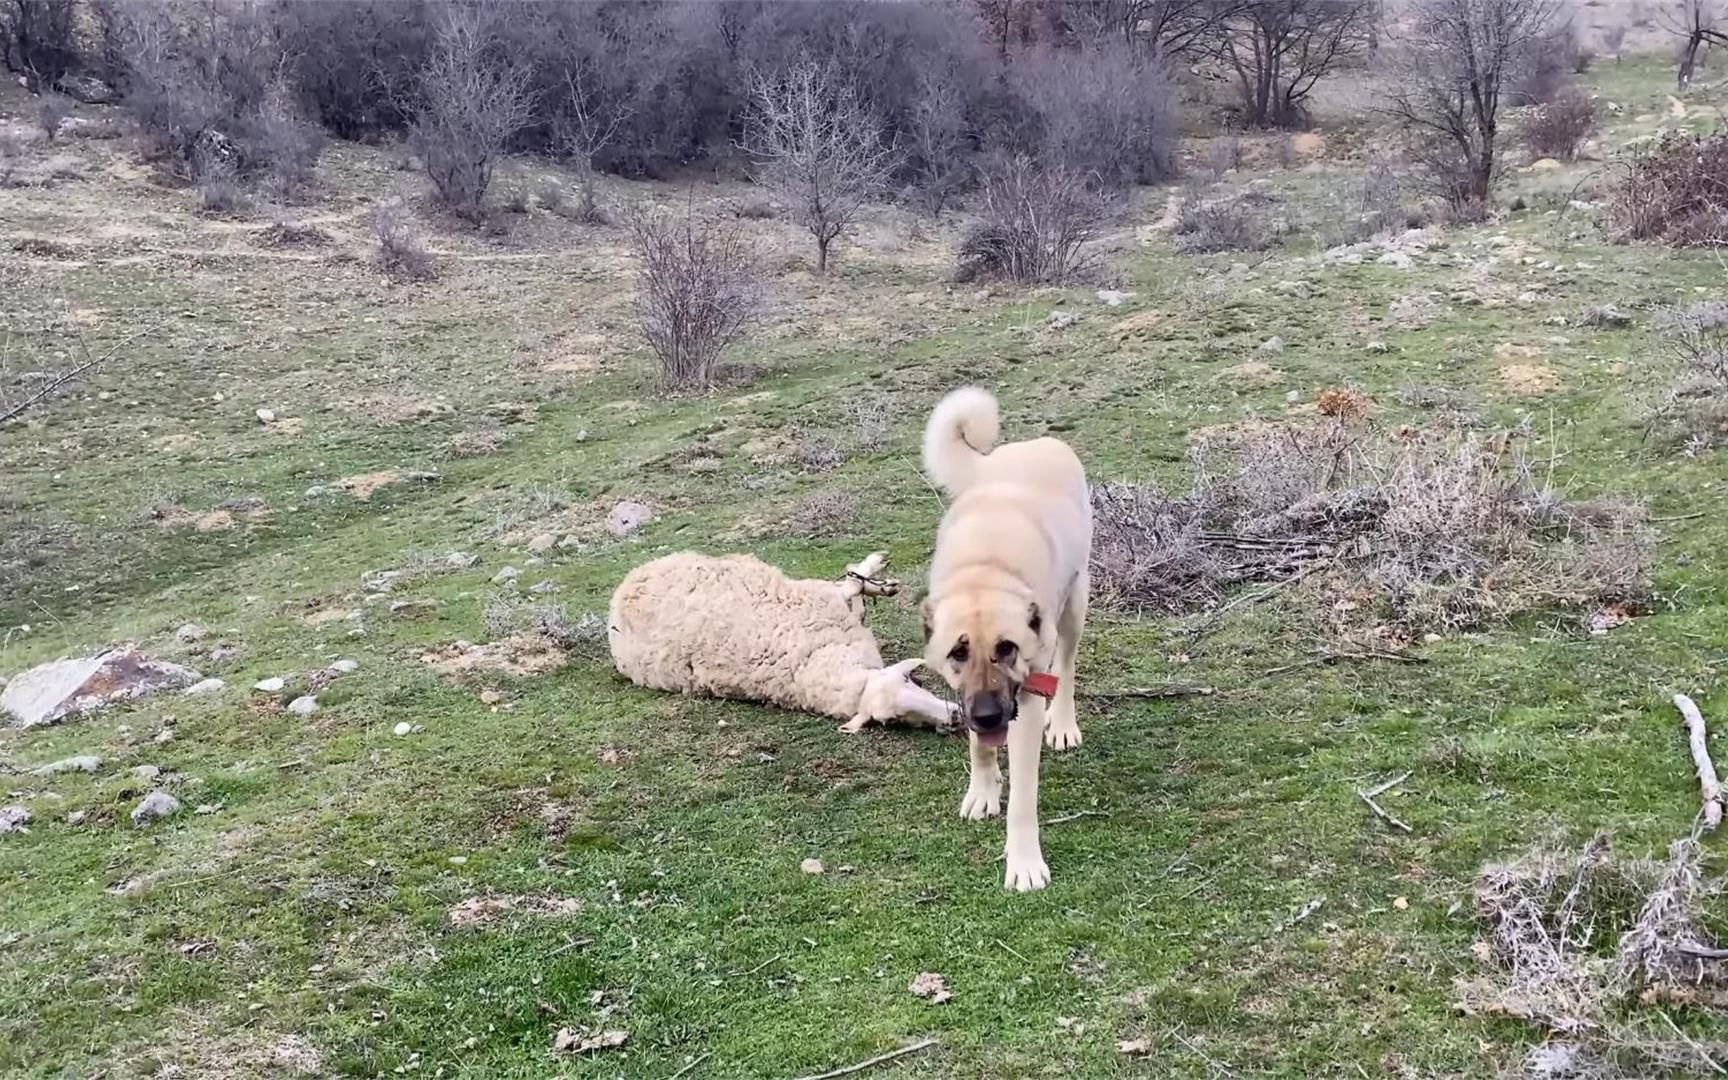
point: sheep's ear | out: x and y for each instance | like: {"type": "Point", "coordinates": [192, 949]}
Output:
{"type": "Point", "coordinates": [905, 668]}
{"type": "Point", "coordinates": [924, 611]}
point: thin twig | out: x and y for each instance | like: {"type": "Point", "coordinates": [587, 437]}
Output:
{"type": "Point", "coordinates": [1176, 1033]}
{"type": "Point", "coordinates": [90, 363]}
{"type": "Point", "coordinates": [1331, 657]}
{"type": "Point", "coordinates": [1208, 624]}
{"type": "Point", "coordinates": [1709, 785]}
{"type": "Point", "coordinates": [1703, 1054]}
{"type": "Point", "coordinates": [1009, 949]}
{"type": "Point", "coordinates": [1678, 517]}
{"type": "Point", "coordinates": [922, 1044]}
{"type": "Point", "coordinates": [1378, 811]}
{"type": "Point", "coordinates": [573, 943]}
{"type": "Point", "coordinates": [1075, 816]}
{"type": "Point", "coordinates": [1172, 690]}
{"type": "Point", "coordinates": [758, 967]}
{"type": "Point", "coordinates": [1381, 789]}
{"type": "Point", "coordinates": [690, 1066]}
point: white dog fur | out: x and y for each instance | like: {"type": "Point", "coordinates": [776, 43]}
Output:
{"type": "Point", "coordinates": [734, 627]}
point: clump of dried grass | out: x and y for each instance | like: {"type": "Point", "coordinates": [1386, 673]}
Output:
{"type": "Point", "coordinates": [823, 514]}
{"type": "Point", "coordinates": [1447, 528]}
{"type": "Point", "coordinates": [1577, 942]}
{"type": "Point", "coordinates": [1695, 408]}
{"type": "Point", "coordinates": [506, 615]}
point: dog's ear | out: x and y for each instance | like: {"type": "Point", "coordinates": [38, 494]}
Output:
{"type": "Point", "coordinates": [924, 614]}
{"type": "Point", "coordinates": [1034, 618]}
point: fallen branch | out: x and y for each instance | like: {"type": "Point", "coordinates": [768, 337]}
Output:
{"type": "Point", "coordinates": [1075, 816]}
{"type": "Point", "coordinates": [1173, 690]}
{"type": "Point", "coordinates": [758, 967]}
{"type": "Point", "coordinates": [690, 1066]}
{"type": "Point", "coordinates": [922, 1044]}
{"type": "Point", "coordinates": [90, 364]}
{"type": "Point", "coordinates": [573, 943]}
{"type": "Point", "coordinates": [1710, 786]}
{"type": "Point", "coordinates": [1332, 657]}
{"type": "Point", "coordinates": [1381, 789]}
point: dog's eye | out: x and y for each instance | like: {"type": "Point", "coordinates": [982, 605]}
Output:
{"type": "Point", "coordinates": [959, 653]}
{"type": "Point", "coordinates": [1005, 651]}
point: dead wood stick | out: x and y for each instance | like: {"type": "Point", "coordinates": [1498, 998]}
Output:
{"type": "Point", "coordinates": [573, 943]}
{"type": "Point", "coordinates": [690, 1066]}
{"type": "Point", "coordinates": [1173, 690]}
{"type": "Point", "coordinates": [1330, 657]}
{"type": "Point", "coordinates": [1702, 952]}
{"type": "Point", "coordinates": [1710, 786]}
{"type": "Point", "coordinates": [1075, 816]}
{"type": "Point", "coordinates": [913, 1048]}
{"type": "Point", "coordinates": [1379, 811]}
{"type": "Point", "coordinates": [90, 364]}
{"type": "Point", "coordinates": [758, 967]}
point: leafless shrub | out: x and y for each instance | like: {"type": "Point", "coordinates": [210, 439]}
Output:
{"type": "Point", "coordinates": [517, 200]}
{"type": "Point", "coordinates": [1612, 37]}
{"type": "Point", "coordinates": [399, 248]}
{"type": "Point", "coordinates": [551, 196]}
{"type": "Point", "coordinates": [11, 156]}
{"type": "Point", "coordinates": [506, 614]}
{"type": "Point", "coordinates": [1458, 528]}
{"type": "Point", "coordinates": [1036, 221]}
{"type": "Point", "coordinates": [1228, 222]}
{"type": "Point", "coordinates": [936, 136]}
{"type": "Point", "coordinates": [1280, 48]}
{"type": "Point", "coordinates": [1106, 117]}
{"type": "Point", "coordinates": [52, 109]}
{"type": "Point", "coordinates": [1695, 409]}
{"type": "Point", "coordinates": [1676, 192]}
{"type": "Point", "coordinates": [1224, 154]}
{"type": "Point", "coordinates": [219, 190]}
{"type": "Point", "coordinates": [697, 290]}
{"type": "Point", "coordinates": [872, 418]}
{"type": "Point", "coordinates": [1461, 61]}
{"type": "Point", "coordinates": [294, 234]}
{"type": "Point", "coordinates": [818, 149]}
{"type": "Point", "coordinates": [1583, 945]}
{"type": "Point", "coordinates": [824, 514]}
{"type": "Point", "coordinates": [1582, 57]}
{"type": "Point", "coordinates": [1560, 127]}
{"type": "Point", "coordinates": [815, 450]}
{"type": "Point", "coordinates": [473, 98]}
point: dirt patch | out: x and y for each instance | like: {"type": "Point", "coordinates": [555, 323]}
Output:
{"type": "Point", "coordinates": [1507, 351]}
{"type": "Point", "coordinates": [326, 616]}
{"type": "Point", "coordinates": [1139, 325]}
{"type": "Point", "coordinates": [397, 409]}
{"type": "Point", "coordinates": [519, 654]}
{"type": "Point", "coordinates": [365, 485]}
{"type": "Point", "coordinates": [177, 442]}
{"type": "Point", "coordinates": [1249, 375]}
{"type": "Point", "coordinates": [486, 910]}
{"type": "Point", "coordinates": [572, 364]}
{"type": "Point", "coordinates": [1529, 379]}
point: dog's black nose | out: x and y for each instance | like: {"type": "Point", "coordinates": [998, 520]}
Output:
{"type": "Point", "coordinates": [986, 712]}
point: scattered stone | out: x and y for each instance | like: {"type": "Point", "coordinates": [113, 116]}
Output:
{"type": "Point", "coordinates": [265, 416]}
{"type": "Point", "coordinates": [506, 576]}
{"type": "Point", "coordinates": [206, 809]}
{"type": "Point", "coordinates": [578, 1041]}
{"type": "Point", "coordinates": [164, 737]}
{"type": "Point", "coordinates": [304, 705]}
{"type": "Point", "coordinates": [271, 685]}
{"type": "Point", "coordinates": [543, 543]}
{"type": "Point", "coordinates": [1061, 320]}
{"type": "Point", "coordinates": [345, 667]}
{"type": "Point", "coordinates": [14, 819]}
{"type": "Point", "coordinates": [190, 633]}
{"type": "Point", "coordinates": [1272, 345]}
{"type": "Point", "coordinates": [223, 653]}
{"type": "Point", "coordinates": [1606, 317]}
{"type": "Point", "coordinates": [540, 588]}
{"type": "Point", "coordinates": [491, 697]}
{"type": "Point", "coordinates": [403, 728]}
{"type": "Point", "coordinates": [86, 89]}
{"type": "Point", "coordinates": [1400, 260]}
{"type": "Point", "coordinates": [1298, 289]}
{"type": "Point", "coordinates": [156, 806]}
{"type": "Point", "coordinates": [1114, 297]}
{"type": "Point", "coordinates": [1378, 347]}
{"type": "Point", "coordinates": [811, 866]}
{"type": "Point", "coordinates": [411, 609]}
{"type": "Point", "coordinates": [55, 691]}
{"type": "Point", "coordinates": [147, 772]}
{"type": "Point", "coordinates": [76, 817]}
{"type": "Point", "coordinates": [931, 987]}
{"type": "Point", "coordinates": [78, 763]}
{"type": "Point", "coordinates": [627, 517]}
{"type": "Point", "coordinates": [460, 560]}
{"type": "Point", "coordinates": [316, 491]}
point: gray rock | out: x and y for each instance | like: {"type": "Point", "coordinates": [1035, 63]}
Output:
{"type": "Point", "coordinates": [411, 609]}
{"type": "Point", "coordinates": [14, 819]}
{"type": "Point", "coordinates": [540, 588]}
{"type": "Point", "coordinates": [506, 576]}
{"type": "Point", "coordinates": [1272, 345]}
{"type": "Point", "coordinates": [272, 685]}
{"type": "Point", "coordinates": [1061, 320]}
{"type": "Point", "coordinates": [223, 654]}
{"type": "Point", "coordinates": [86, 89]}
{"type": "Point", "coordinates": [155, 806]}
{"type": "Point", "coordinates": [69, 687]}
{"type": "Point", "coordinates": [77, 763]}
{"type": "Point", "coordinates": [206, 686]}
{"type": "Point", "coordinates": [460, 560]}
{"type": "Point", "coordinates": [266, 416]}
{"type": "Point", "coordinates": [1399, 259]}
{"type": "Point", "coordinates": [304, 705]}
{"type": "Point", "coordinates": [147, 772]}
{"type": "Point", "coordinates": [190, 633]}
{"type": "Point", "coordinates": [345, 667]}
{"type": "Point", "coordinates": [628, 517]}
{"type": "Point", "coordinates": [543, 543]}
{"type": "Point", "coordinates": [1114, 297]}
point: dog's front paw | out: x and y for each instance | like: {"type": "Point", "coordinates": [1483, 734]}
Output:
{"type": "Point", "coordinates": [1026, 871]}
{"type": "Point", "coordinates": [1062, 736]}
{"type": "Point", "coordinates": [982, 801]}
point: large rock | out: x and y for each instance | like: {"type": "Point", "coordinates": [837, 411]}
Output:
{"type": "Point", "coordinates": [52, 692]}
{"type": "Point", "coordinates": [86, 89]}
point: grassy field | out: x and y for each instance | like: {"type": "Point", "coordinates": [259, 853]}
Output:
{"type": "Point", "coordinates": [643, 851]}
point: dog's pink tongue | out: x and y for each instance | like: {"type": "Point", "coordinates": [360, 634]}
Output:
{"type": "Point", "coordinates": [995, 737]}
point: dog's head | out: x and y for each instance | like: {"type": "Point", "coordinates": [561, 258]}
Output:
{"type": "Point", "coordinates": [985, 643]}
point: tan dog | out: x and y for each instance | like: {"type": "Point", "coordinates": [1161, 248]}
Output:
{"type": "Point", "coordinates": [1007, 603]}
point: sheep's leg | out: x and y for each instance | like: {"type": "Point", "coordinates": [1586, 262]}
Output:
{"type": "Point", "coordinates": [984, 793]}
{"type": "Point", "coordinates": [862, 577]}
{"type": "Point", "coordinates": [1063, 732]}
{"type": "Point", "coordinates": [925, 709]}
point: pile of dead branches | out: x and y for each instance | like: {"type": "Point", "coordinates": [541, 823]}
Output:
{"type": "Point", "coordinates": [1428, 530]}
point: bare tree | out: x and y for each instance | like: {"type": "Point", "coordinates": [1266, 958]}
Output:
{"type": "Point", "coordinates": [1696, 25]}
{"type": "Point", "coordinates": [817, 148]}
{"type": "Point", "coordinates": [936, 135]}
{"type": "Point", "coordinates": [1461, 59]}
{"type": "Point", "coordinates": [1280, 48]}
{"type": "Point", "coordinates": [697, 291]}
{"type": "Point", "coordinates": [1165, 28]}
{"type": "Point", "coordinates": [472, 100]}
{"type": "Point", "coordinates": [1035, 221]}
{"type": "Point", "coordinates": [589, 118]}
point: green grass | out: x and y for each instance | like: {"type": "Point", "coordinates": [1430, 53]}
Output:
{"type": "Point", "coordinates": [314, 902]}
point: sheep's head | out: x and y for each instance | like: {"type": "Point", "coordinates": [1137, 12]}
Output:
{"type": "Point", "coordinates": [890, 694]}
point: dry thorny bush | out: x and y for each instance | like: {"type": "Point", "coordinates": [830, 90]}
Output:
{"type": "Point", "coordinates": [1235, 221]}
{"type": "Point", "coordinates": [697, 291]}
{"type": "Point", "coordinates": [1676, 192]}
{"type": "Point", "coordinates": [1578, 943]}
{"type": "Point", "coordinates": [1431, 530]}
{"type": "Point", "coordinates": [506, 615]}
{"type": "Point", "coordinates": [1695, 409]}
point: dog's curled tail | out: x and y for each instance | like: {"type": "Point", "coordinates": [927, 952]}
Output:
{"type": "Point", "coordinates": [962, 429]}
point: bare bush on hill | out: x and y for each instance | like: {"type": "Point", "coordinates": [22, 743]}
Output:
{"type": "Point", "coordinates": [1461, 62]}
{"type": "Point", "coordinates": [473, 98]}
{"type": "Point", "coordinates": [399, 249]}
{"type": "Point", "coordinates": [1560, 127]}
{"type": "Point", "coordinates": [11, 156]}
{"type": "Point", "coordinates": [1695, 408]}
{"type": "Point", "coordinates": [1035, 222]}
{"type": "Point", "coordinates": [1106, 115]}
{"type": "Point", "coordinates": [1675, 192]}
{"type": "Point", "coordinates": [52, 109]}
{"type": "Point", "coordinates": [818, 149]}
{"type": "Point", "coordinates": [697, 290]}
{"type": "Point", "coordinates": [40, 39]}
{"type": "Point", "coordinates": [1279, 50]}
{"type": "Point", "coordinates": [1229, 221]}
{"type": "Point", "coordinates": [1446, 529]}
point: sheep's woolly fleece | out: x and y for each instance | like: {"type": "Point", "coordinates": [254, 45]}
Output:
{"type": "Point", "coordinates": [735, 627]}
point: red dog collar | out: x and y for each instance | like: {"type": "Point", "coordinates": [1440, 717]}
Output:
{"type": "Point", "coordinates": [1041, 683]}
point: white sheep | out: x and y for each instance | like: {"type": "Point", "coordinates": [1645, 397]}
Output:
{"type": "Point", "coordinates": [735, 627]}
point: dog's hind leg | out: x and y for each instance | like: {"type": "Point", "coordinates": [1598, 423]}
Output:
{"type": "Point", "coordinates": [1063, 731]}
